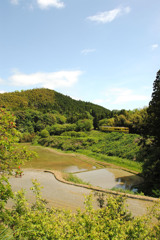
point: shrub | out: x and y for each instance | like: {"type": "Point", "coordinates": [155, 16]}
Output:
{"type": "Point", "coordinates": [44, 133]}
{"type": "Point", "coordinates": [74, 134]}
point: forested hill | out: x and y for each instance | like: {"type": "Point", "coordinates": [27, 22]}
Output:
{"type": "Point", "coordinates": [46, 100]}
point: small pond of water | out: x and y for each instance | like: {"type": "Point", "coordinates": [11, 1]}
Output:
{"type": "Point", "coordinates": [110, 178]}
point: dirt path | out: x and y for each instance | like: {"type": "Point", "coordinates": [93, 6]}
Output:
{"type": "Point", "coordinates": [62, 195]}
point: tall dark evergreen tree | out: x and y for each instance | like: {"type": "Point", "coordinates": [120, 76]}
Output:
{"type": "Point", "coordinates": [154, 110]}
{"type": "Point", "coordinates": [151, 166]}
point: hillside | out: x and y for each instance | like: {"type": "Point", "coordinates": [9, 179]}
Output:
{"type": "Point", "coordinates": [46, 100]}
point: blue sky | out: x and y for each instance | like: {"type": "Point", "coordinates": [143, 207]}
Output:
{"type": "Point", "coordinates": [102, 51]}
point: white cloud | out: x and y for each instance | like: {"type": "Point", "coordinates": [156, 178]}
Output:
{"type": "Point", "coordinates": [154, 46]}
{"type": "Point", "coordinates": [44, 4]}
{"type": "Point", "coordinates": [109, 16]}
{"type": "Point", "coordinates": [15, 2]}
{"type": "Point", "coordinates": [118, 98]}
{"type": "Point", "coordinates": [124, 95]}
{"type": "Point", "coordinates": [88, 50]}
{"type": "Point", "coordinates": [98, 101]}
{"type": "Point", "coordinates": [47, 80]}
{"type": "Point", "coordinates": [1, 91]}
{"type": "Point", "coordinates": [75, 98]}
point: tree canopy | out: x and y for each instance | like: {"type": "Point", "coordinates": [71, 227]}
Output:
{"type": "Point", "coordinates": [151, 166]}
{"type": "Point", "coordinates": [11, 155]}
{"type": "Point", "coordinates": [154, 110]}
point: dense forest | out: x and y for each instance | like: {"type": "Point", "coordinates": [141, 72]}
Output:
{"type": "Point", "coordinates": [45, 117]}
{"type": "Point", "coordinates": [37, 108]}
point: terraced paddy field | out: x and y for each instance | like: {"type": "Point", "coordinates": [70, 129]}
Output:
{"type": "Point", "coordinates": [68, 196]}
{"type": "Point", "coordinates": [88, 169]}
{"type": "Point", "coordinates": [48, 158]}
{"type": "Point", "coordinates": [62, 194]}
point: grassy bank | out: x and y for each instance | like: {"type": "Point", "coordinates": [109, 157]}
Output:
{"type": "Point", "coordinates": [111, 144]}
{"type": "Point", "coordinates": [72, 178]}
{"type": "Point", "coordinates": [121, 162]}
{"type": "Point", "coordinates": [115, 148]}
{"type": "Point", "coordinates": [57, 159]}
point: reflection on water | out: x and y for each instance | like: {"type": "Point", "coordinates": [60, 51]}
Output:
{"type": "Point", "coordinates": [107, 178]}
{"type": "Point", "coordinates": [74, 169]}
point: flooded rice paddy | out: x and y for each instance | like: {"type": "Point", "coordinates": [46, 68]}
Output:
{"type": "Point", "coordinates": [53, 160]}
{"type": "Point", "coordinates": [83, 167]}
{"type": "Point", "coordinates": [110, 178]}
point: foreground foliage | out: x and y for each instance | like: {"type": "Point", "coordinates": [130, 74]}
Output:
{"type": "Point", "coordinates": [110, 221]}
{"type": "Point", "coordinates": [11, 157]}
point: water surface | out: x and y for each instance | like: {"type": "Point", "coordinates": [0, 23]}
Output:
{"type": "Point", "coordinates": [82, 167]}
{"type": "Point", "coordinates": [109, 178]}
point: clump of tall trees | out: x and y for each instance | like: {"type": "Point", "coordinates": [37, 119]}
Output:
{"type": "Point", "coordinates": [135, 120]}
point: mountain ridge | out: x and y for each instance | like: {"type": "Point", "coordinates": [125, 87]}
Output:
{"type": "Point", "coordinates": [47, 100]}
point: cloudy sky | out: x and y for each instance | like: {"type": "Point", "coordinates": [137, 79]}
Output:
{"type": "Point", "coordinates": [101, 51]}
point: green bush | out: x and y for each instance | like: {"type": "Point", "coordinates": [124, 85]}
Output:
{"type": "Point", "coordinates": [74, 134]}
{"type": "Point", "coordinates": [84, 125]}
{"type": "Point", "coordinates": [58, 129]}
{"type": "Point", "coordinates": [44, 133]}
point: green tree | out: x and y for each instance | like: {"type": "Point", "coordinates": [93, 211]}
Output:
{"type": "Point", "coordinates": [138, 118]}
{"type": "Point", "coordinates": [154, 110]}
{"type": "Point", "coordinates": [84, 125]}
{"type": "Point", "coordinates": [151, 166]}
{"type": "Point", "coordinates": [107, 122]}
{"type": "Point", "coordinates": [11, 155]}
{"type": "Point", "coordinates": [44, 133]}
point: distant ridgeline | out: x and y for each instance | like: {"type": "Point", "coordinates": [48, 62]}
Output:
{"type": "Point", "coordinates": [46, 99]}
{"type": "Point", "coordinates": [40, 108]}
{"type": "Point", "coordinates": [114, 129]}
{"type": "Point", "coordinates": [50, 101]}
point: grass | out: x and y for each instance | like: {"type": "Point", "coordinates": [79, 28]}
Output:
{"type": "Point", "coordinates": [127, 191]}
{"type": "Point", "coordinates": [51, 160]}
{"type": "Point", "coordinates": [121, 162]}
{"type": "Point", "coordinates": [72, 178]}
{"type": "Point", "coordinates": [114, 148]}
